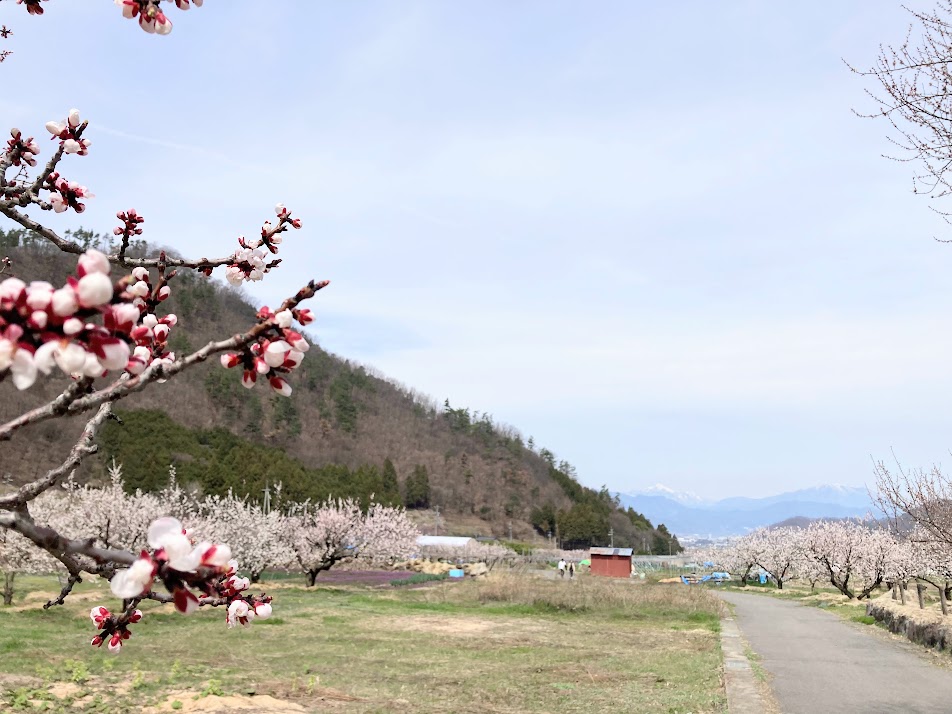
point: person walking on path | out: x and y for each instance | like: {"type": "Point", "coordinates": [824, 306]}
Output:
{"type": "Point", "coordinates": [561, 567]}
{"type": "Point", "coordinates": [571, 570]}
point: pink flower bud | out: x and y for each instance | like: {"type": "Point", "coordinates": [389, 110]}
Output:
{"type": "Point", "coordinates": [129, 8]}
{"type": "Point", "coordinates": [275, 352]}
{"type": "Point", "coordinates": [293, 359]}
{"type": "Point", "coordinates": [230, 359]}
{"type": "Point", "coordinates": [135, 366]}
{"type": "Point", "coordinates": [161, 332]}
{"type": "Point", "coordinates": [122, 317]}
{"type": "Point", "coordinates": [139, 289]}
{"type": "Point", "coordinates": [56, 128]}
{"type": "Point", "coordinates": [296, 341]}
{"type": "Point", "coordinates": [263, 610]}
{"type": "Point", "coordinates": [214, 555]}
{"type": "Point", "coordinates": [162, 25]}
{"type": "Point", "coordinates": [171, 320]}
{"type": "Point", "coordinates": [94, 289]}
{"type": "Point", "coordinates": [248, 378]}
{"type": "Point", "coordinates": [280, 210]}
{"type": "Point", "coordinates": [39, 295]}
{"type": "Point", "coordinates": [64, 302]}
{"type": "Point", "coordinates": [73, 326]}
{"type": "Point", "coordinates": [92, 261]}
{"type": "Point", "coordinates": [112, 352]}
{"type": "Point", "coordinates": [12, 289]}
{"type": "Point", "coordinates": [140, 273]}
{"type": "Point", "coordinates": [284, 318]}
{"type": "Point", "coordinates": [115, 644]}
{"type": "Point", "coordinates": [38, 319]}
{"type": "Point", "coordinates": [73, 119]}
{"type": "Point", "coordinates": [70, 357]}
{"type": "Point", "coordinates": [164, 292]}
{"type": "Point", "coordinates": [281, 386]}
{"type": "Point", "coordinates": [141, 333]}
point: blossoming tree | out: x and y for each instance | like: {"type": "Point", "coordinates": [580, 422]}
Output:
{"type": "Point", "coordinates": [325, 534]}
{"type": "Point", "coordinates": [105, 334]}
{"type": "Point", "coordinates": [776, 551]}
{"type": "Point", "coordinates": [855, 557]}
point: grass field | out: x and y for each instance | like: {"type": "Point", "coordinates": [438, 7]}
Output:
{"type": "Point", "coordinates": [502, 644]}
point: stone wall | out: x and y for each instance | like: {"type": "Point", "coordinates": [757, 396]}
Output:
{"type": "Point", "coordinates": [924, 627]}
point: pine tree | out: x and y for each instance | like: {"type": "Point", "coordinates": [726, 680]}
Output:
{"type": "Point", "coordinates": [417, 489]}
{"type": "Point", "coordinates": [390, 485]}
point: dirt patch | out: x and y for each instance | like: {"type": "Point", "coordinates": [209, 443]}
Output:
{"type": "Point", "coordinates": [15, 681]}
{"type": "Point", "coordinates": [187, 702]}
{"type": "Point", "coordinates": [61, 690]}
{"type": "Point", "coordinates": [468, 627]}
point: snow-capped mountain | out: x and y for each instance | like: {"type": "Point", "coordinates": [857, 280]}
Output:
{"type": "Point", "coordinates": [683, 497]}
{"type": "Point", "coordinates": [689, 515]}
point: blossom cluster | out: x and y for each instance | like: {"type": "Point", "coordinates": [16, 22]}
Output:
{"type": "Point", "coordinates": [174, 559]}
{"type": "Point", "coordinates": [182, 565]}
{"type": "Point", "coordinates": [21, 151]}
{"type": "Point", "coordinates": [115, 629]}
{"type": "Point", "coordinates": [273, 358]}
{"type": "Point", "coordinates": [42, 327]}
{"type": "Point", "coordinates": [66, 194]}
{"type": "Point", "coordinates": [69, 133]}
{"type": "Point", "coordinates": [5, 32]}
{"type": "Point", "coordinates": [249, 262]}
{"type": "Point", "coordinates": [32, 6]}
{"type": "Point", "coordinates": [151, 17]}
{"type": "Point", "coordinates": [242, 609]}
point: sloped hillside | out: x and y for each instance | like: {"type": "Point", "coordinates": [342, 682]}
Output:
{"type": "Point", "coordinates": [345, 430]}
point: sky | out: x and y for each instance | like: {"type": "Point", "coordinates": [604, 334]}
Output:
{"type": "Point", "coordinates": [653, 236]}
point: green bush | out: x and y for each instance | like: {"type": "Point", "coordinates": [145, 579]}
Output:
{"type": "Point", "coordinates": [418, 578]}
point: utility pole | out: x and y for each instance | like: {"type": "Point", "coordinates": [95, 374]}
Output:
{"type": "Point", "coordinates": [611, 534]}
{"type": "Point", "coordinates": [510, 530]}
{"type": "Point", "coordinates": [436, 528]}
{"type": "Point", "coordinates": [267, 499]}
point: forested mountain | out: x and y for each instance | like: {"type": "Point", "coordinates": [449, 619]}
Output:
{"type": "Point", "coordinates": [345, 430]}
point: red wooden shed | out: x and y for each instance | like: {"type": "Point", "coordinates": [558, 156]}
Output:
{"type": "Point", "coordinates": [611, 562]}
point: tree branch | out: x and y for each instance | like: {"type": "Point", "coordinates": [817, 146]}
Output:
{"type": "Point", "coordinates": [83, 447]}
{"type": "Point", "coordinates": [127, 384]}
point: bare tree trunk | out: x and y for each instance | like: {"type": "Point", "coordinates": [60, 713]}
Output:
{"type": "Point", "coordinates": [902, 592]}
{"type": "Point", "coordinates": [8, 588]}
{"type": "Point", "coordinates": [920, 591]}
{"type": "Point", "coordinates": [312, 577]}
{"type": "Point", "coordinates": [743, 578]}
{"type": "Point", "coordinates": [893, 588]}
{"type": "Point", "coordinates": [943, 601]}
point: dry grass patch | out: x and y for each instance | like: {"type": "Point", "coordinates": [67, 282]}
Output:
{"type": "Point", "coordinates": [503, 644]}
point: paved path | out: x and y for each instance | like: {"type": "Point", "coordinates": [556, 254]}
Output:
{"type": "Point", "coordinates": [819, 663]}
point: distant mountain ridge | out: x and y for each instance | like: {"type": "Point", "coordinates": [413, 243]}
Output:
{"type": "Point", "coordinates": [688, 515]}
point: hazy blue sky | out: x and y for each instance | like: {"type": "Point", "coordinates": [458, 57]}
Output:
{"type": "Point", "coordinates": [651, 235]}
